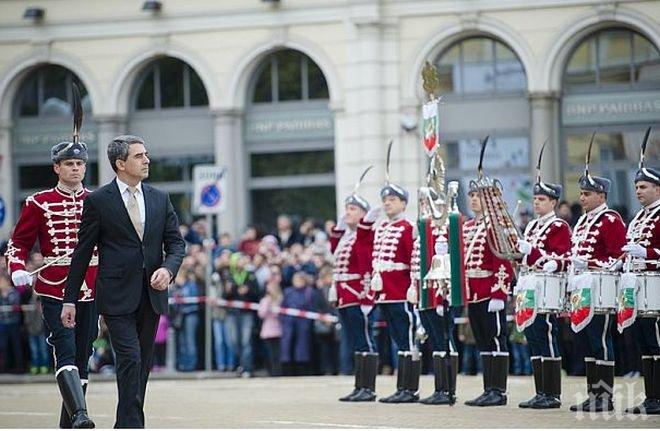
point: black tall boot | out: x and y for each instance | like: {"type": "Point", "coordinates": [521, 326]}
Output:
{"type": "Point", "coordinates": [537, 370]}
{"type": "Point", "coordinates": [647, 373]}
{"type": "Point", "coordinates": [592, 378]}
{"type": "Point", "coordinates": [452, 373]}
{"type": "Point", "coordinates": [358, 361]}
{"type": "Point", "coordinates": [439, 378]}
{"type": "Point", "coordinates": [486, 365]}
{"type": "Point", "coordinates": [65, 419]}
{"type": "Point", "coordinates": [71, 389]}
{"type": "Point", "coordinates": [604, 387]}
{"type": "Point", "coordinates": [369, 371]}
{"type": "Point", "coordinates": [410, 392]}
{"type": "Point", "coordinates": [500, 373]}
{"type": "Point", "coordinates": [402, 370]}
{"type": "Point", "coordinates": [654, 408]}
{"type": "Point", "coordinates": [551, 399]}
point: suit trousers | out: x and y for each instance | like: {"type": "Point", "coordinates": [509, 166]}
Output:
{"type": "Point", "coordinates": [490, 331]}
{"type": "Point", "coordinates": [542, 336]}
{"type": "Point", "coordinates": [133, 337]}
{"type": "Point", "coordinates": [71, 346]}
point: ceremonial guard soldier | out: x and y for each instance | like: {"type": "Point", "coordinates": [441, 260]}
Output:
{"type": "Point", "coordinates": [488, 280]}
{"type": "Point", "coordinates": [597, 241]}
{"type": "Point", "coordinates": [392, 251]}
{"type": "Point", "coordinates": [351, 242]}
{"type": "Point", "coordinates": [429, 288]}
{"type": "Point", "coordinates": [52, 217]}
{"type": "Point", "coordinates": [643, 249]}
{"type": "Point", "coordinates": [546, 245]}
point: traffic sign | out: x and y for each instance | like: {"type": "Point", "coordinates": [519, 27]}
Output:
{"type": "Point", "coordinates": [210, 187]}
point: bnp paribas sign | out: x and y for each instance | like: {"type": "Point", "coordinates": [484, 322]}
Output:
{"type": "Point", "coordinates": [610, 108]}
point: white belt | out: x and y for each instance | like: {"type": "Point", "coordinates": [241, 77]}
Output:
{"type": "Point", "coordinates": [66, 261]}
{"type": "Point", "coordinates": [478, 273]}
{"type": "Point", "coordinates": [385, 266]}
{"type": "Point", "coordinates": [346, 277]}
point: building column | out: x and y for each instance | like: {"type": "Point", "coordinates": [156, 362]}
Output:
{"type": "Point", "coordinates": [6, 178]}
{"type": "Point", "coordinates": [108, 128]}
{"type": "Point", "coordinates": [230, 153]}
{"type": "Point", "coordinates": [544, 125]}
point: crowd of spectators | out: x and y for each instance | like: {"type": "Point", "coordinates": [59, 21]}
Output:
{"type": "Point", "coordinates": [288, 267]}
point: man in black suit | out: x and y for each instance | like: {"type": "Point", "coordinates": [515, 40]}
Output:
{"type": "Point", "coordinates": [140, 250]}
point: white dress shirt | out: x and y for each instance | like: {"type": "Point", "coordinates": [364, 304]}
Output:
{"type": "Point", "coordinates": [123, 190]}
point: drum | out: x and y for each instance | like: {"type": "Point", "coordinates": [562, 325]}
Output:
{"type": "Point", "coordinates": [648, 294]}
{"type": "Point", "coordinates": [604, 291]}
{"type": "Point", "coordinates": [550, 290]}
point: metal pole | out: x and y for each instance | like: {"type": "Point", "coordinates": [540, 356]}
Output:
{"type": "Point", "coordinates": [208, 335]}
{"type": "Point", "coordinates": [170, 355]}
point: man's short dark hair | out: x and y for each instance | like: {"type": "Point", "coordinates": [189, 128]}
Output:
{"type": "Point", "coordinates": [118, 148]}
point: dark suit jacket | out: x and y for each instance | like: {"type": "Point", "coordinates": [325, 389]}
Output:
{"type": "Point", "coordinates": [122, 256]}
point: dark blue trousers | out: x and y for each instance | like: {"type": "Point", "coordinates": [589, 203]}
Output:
{"type": "Point", "coordinates": [358, 327]}
{"type": "Point", "coordinates": [598, 335]}
{"type": "Point", "coordinates": [400, 319]}
{"type": "Point", "coordinates": [648, 335]}
{"type": "Point", "coordinates": [542, 336]}
{"type": "Point", "coordinates": [439, 328]}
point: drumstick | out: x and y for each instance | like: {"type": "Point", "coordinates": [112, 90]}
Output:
{"type": "Point", "coordinates": [54, 261]}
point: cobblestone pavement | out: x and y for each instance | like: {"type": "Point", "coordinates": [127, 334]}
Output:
{"type": "Point", "coordinates": [311, 402]}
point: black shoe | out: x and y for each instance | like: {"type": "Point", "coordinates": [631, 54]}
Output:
{"type": "Point", "coordinates": [407, 396]}
{"type": "Point", "coordinates": [594, 404]}
{"type": "Point", "coordinates": [546, 402]}
{"type": "Point", "coordinates": [528, 404]}
{"type": "Point", "coordinates": [392, 398]}
{"type": "Point", "coordinates": [650, 406]}
{"type": "Point", "coordinates": [495, 397]}
{"type": "Point", "coordinates": [349, 396]}
{"type": "Point", "coordinates": [477, 400]}
{"type": "Point", "coordinates": [81, 420]}
{"type": "Point", "coordinates": [439, 398]}
{"type": "Point", "coordinates": [364, 395]}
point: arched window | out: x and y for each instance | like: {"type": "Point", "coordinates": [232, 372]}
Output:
{"type": "Point", "coordinates": [46, 92]}
{"type": "Point", "coordinates": [169, 83]}
{"type": "Point", "coordinates": [613, 58]}
{"type": "Point", "coordinates": [289, 75]}
{"type": "Point", "coordinates": [480, 65]}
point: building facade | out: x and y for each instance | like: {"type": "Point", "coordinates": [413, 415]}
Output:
{"type": "Point", "coordinates": [296, 97]}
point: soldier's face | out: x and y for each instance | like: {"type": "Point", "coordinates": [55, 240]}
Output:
{"type": "Point", "coordinates": [353, 214]}
{"type": "Point", "coordinates": [475, 202]}
{"type": "Point", "coordinates": [543, 205]}
{"type": "Point", "coordinates": [70, 171]}
{"type": "Point", "coordinates": [136, 165]}
{"type": "Point", "coordinates": [393, 205]}
{"type": "Point", "coordinates": [647, 192]}
{"type": "Point", "coordinates": [590, 200]}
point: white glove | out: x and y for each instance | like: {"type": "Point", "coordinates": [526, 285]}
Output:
{"type": "Point", "coordinates": [635, 250]}
{"type": "Point", "coordinates": [341, 223]}
{"type": "Point", "coordinates": [525, 247]}
{"type": "Point", "coordinates": [373, 214]}
{"type": "Point", "coordinates": [617, 266]}
{"type": "Point", "coordinates": [495, 305]}
{"type": "Point", "coordinates": [440, 310]}
{"type": "Point", "coordinates": [366, 309]}
{"type": "Point", "coordinates": [441, 248]}
{"type": "Point", "coordinates": [21, 278]}
{"type": "Point", "coordinates": [578, 263]}
{"type": "Point", "coordinates": [550, 266]}
{"type": "Point", "coordinates": [332, 294]}
{"type": "Point", "coordinates": [411, 295]}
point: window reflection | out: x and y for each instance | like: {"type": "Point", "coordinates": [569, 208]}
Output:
{"type": "Point", "coordinates": [169, 83]}
{"type": "Point", "coordinates": [47, 92]}
{"type": "Point", "coordinates": [480, 65]}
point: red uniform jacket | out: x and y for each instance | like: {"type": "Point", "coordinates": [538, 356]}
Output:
{"type": "Point", "coordinates": [550, 237]}
{"type": "Point", "coordinates": [598, 237]}
{"type": "Point", "coordinates": [52, 217]}
{"type": "Point", "coordinates": [393, 245]}
{"type": "Point", "coordinates": [352, 273]}
{"type": "Point", "coordinates": [486, 275]}
{"type": "Point", "coordinates": [644, 230]}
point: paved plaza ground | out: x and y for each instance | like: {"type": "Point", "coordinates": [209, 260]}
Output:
{"type": "Point", "coordinates": [208, 401]}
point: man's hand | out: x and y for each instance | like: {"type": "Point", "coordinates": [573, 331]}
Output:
{"type": "Point", "coordinates": [373, 214]}
{"type": "Point", "coordinates": [525, 247]}
{"type": "Point", "coordinates": [633, 249]}
{"type": "Point", "coordinates": [68, 316]}
{"type": "Point", "coordinates": [550, 266]}
{"type": "Point", "coordinates": [495, 305]}
{"type": "Point", "coordinates": [160, 279]}
{"type": "Point", "coordinates": [21, 278]}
